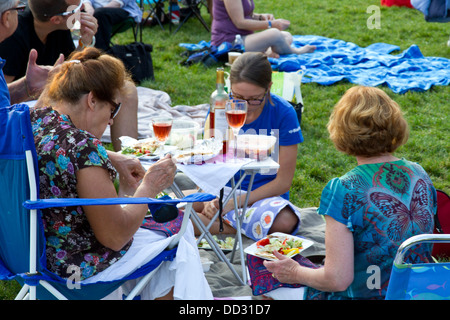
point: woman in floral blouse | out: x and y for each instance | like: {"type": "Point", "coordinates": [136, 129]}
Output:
{"type": "Point", "coordinates": [370, 210]}
{"type": "Point", "coordinates": [73, 163]}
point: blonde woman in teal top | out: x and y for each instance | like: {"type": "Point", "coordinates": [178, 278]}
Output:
{"type": "Point", "coordinates": [370, 210]}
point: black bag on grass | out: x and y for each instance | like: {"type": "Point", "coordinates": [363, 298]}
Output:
{"type": "Point", "coordinates": [137, 59]}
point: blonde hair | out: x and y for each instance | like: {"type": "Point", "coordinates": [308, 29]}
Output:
{"type": "Point", "coordinates": [367, 122]}
{"type": "Point", "coordinates": [87, 71]}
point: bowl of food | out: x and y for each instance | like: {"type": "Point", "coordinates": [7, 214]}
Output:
{"type": "Point", "coordinates": [183, 134]}
{"type": "Point", "coordinates": [255, 146]}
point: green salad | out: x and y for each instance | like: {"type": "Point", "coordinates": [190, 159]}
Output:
{"type": "Point", "coordinates": [226, 244]}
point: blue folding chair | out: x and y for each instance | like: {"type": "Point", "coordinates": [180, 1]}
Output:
{"type": "Point", "coordinates": [22, 239]}
{"type": "Point", "coordinates": [421, 281]}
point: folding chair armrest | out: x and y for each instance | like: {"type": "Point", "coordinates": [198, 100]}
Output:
{"type": "Point", "coordinates": [176, 238]}
{"type": "Point", "coordinates": [64, 202]}
{"type": "Point", "coordinates": [423, 238]}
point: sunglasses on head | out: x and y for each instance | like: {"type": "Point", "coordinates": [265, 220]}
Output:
{"type": "Point", "coordinates": [68, 13]}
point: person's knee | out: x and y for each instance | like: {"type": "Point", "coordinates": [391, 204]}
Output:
{"type": "Point", "coordinates": [274, 34]}
{"type": "Point", "coordinates": [287, 37]}
{"type": "Point", "coordinates": [286, 221]}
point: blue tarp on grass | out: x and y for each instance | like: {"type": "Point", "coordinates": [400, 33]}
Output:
{"type": "Point", "coordinates": [335, 60]}
{"type": "Point", "coordinates": [375, 65]}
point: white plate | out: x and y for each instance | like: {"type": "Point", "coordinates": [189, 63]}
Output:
{"type": "Point", "coordinates": [203, 150]}
{"type": "Point", "coordinates": [128, 142]}
{"type": "Point", "coordinates": [253, 249]}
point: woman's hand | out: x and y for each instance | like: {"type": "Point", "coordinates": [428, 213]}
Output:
{"type": "Point", "coordinates": [210, 208]}
{"type": "Point", "coordinates": [130, 172]}
{"type": "Point", "coordinates": [266, 16]}
{"type": "Point", "coordinates": [281, 24]}
{"type": "Point", "coordinates": [160, 175]}
{"type": "Point", "coordinates": [284, 269]}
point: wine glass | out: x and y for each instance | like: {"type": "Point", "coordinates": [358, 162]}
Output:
{"type": "Point", "coordinates": [161, 129]}
{"type": "Point", "coordinates": [236, 113]}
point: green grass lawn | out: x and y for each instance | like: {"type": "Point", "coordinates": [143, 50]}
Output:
{"type": "Point", "coordinates": [318, 161]}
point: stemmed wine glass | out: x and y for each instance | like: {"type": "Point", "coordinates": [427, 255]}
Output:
{"type": "Point", "coordinates": [161, 129]}
{"type": "Point", "coordinates": [236, 113]}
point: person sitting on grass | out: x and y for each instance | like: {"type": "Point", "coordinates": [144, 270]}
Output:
{"type": "Point", "coordinates": [261, 32]}
{"type": "Point", "coordinates": [271, 210]}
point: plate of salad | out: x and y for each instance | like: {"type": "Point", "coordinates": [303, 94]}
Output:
{"type": "Point", "coordinates": [138, 148]}
{"type": "Point", "coordinates": [285, 244]}
{"type": "Point", "coordinates": [224, 244]}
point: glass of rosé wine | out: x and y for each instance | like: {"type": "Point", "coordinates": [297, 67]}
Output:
{"type": "Point", "coordinates": [161, 129]}
{"type": "Point", "coordinates": [236, 113]}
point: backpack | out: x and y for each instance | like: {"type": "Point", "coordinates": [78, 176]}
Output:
{"type": "Point", "coordinates": [137, 59]}
{"type": "Point", "coordinates": [442, 223]}
{"type": "Point", "coordinates": [208, 54]}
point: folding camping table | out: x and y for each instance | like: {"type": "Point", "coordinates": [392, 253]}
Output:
{"type": "Point", "coordinates": [249, 169]}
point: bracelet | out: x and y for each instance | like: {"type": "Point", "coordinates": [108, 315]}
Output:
{"type": "Point", "coordinates": [31, 96]}
{"type": "Point", "coordinates": [84, 46]}
{"type": "Point", "coordinates": [269, 24]}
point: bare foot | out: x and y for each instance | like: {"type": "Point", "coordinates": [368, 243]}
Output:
{"type": "Point", "coordinates": [305, 49]}
{"type": "Point", "coordinates": [271, 54]}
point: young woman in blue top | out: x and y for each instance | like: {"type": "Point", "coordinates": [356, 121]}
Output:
{"type": "Point", "coordinates": [370, 210]}
{"type": "Point", "coordinates": [271, 211]}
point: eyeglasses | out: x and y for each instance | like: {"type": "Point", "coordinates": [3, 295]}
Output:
{"type": "Point", "coordinates": [116, 108]}
{"type": "Point", "coordinates": [68, 13]}
{"type": "Point", "coordinates": [20, 7]}
{"type": "Point", "coordinates": [249, 101]}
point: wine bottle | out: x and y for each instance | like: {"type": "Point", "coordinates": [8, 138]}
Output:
{"type": "Point", "coordinates": [217, 119]}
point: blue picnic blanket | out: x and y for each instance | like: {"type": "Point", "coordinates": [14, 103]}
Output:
{"type": "Point", "coordinates": [335, 60]}
{"type": "Point", "coordinates": [375, 65]}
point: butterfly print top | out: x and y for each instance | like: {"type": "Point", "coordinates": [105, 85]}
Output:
{"type": "Point", "coordinates": [382, 204]}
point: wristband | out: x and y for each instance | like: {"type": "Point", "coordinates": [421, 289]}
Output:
{"type": "Point", "coordinates": [269, 24]}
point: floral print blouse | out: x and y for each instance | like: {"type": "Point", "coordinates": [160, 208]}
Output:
{"type": "Point", "coordinates": [63, 150]}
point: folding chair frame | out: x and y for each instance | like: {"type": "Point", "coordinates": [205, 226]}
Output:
{"type": "Point", "coordinates": [123, 26]}
{"type": "Point", "coordinates": [28, 292]}
{"type": "Point", "coordinates": [195, 10]}
{"type": "Point", "coordinates": [423, 238]}
{"type": "Point", "coordinates": [418, 281]}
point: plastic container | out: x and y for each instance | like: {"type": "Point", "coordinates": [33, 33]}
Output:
{"type": "Point", "coordinates": [183, 134]}
{"type": "Point", "coordinates": [253, 146]}
{"type": "Point", "coordinates": [206, 263]}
